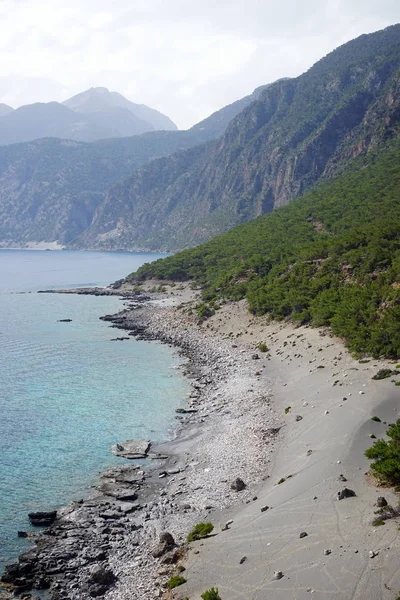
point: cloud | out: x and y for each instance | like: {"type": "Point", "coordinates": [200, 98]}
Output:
{"type": "Point", "coordinates": [184, 57]}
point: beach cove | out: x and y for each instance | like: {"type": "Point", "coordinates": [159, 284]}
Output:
{"type": "Point", "coordinates": [292, 424]}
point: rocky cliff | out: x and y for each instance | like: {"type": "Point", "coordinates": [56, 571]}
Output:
{"type": "Point", "coordinates": [299, 132]}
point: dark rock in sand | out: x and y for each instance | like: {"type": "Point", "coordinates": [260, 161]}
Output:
{"type": "Point", "coordinates": [64, 321]}
{"type": "Point", "coordinates": [42, 518]}
{"type": "Point", "coordinates": [238, 485]}
{"type": "Point", "coordinates": [22, 534]}
{"type": "Point", "coordinates": [303, 535]}
{"type": "Point", "coordinates": [345, 493]}
{"type": "Point", "coordinates": [381, 502]}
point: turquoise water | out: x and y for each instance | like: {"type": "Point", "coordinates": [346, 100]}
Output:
{"type": "Point", "coordinates": [67, 393]}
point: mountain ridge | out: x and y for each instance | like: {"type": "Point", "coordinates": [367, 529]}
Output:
{"type": "Point", "coordinates": [298, 132]}
{"type": "Point", "coordinates": [87, 117]}
{"type": "Point", "coordinates": [50, 188]}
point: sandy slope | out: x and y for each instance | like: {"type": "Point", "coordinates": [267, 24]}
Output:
{"type": "Point", "coordinates": [306, 501]}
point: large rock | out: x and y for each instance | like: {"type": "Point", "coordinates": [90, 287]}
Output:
{"type": "Point", "coordinates": [238, 485]}
{"type": "Point", "coordinates": [42, 518]}
{"type": "Point", "coordinates": [132, 449]}
{"type": "Point", "coordinates": [345, 493]}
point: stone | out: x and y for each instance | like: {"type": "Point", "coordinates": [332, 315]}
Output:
{"type": "Point", "coordinates": [381, 502]}
{"type": "Point", "coordinates": [303, 535]}
{"type": "Point", "coordinates": [241, 561]}
{"type": "Point", "coordinates": [22, 534]}
{"type": "Point", "coordinates": [238, 485]}
{"type": "Point", "coordinates": [342, 478]}
{"type": "Point", "coordinates": [277, 575]}
{"type": "Point", "coordinates": [327, 552]}
{"type": "Point", "coordinates": [132, 449]}
{"type": "Point", "coordinates": [299, 418]}
{"type": "Point", "coordinates": [372, 554]}
{"type": "Point", "coordinates": [166, 537]}
{"type": "Point", "coordinates": [264, 508]}
{"type": "Point", "coordinates": [345, 493]}
{"type": "Point", "coordinates": [255, 357]}
{"type": "Point", "coordinates": [42, 519]}
{"type": "Point", "coordinates": [64, 321]}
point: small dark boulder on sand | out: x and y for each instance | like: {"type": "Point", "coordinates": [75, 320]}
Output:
{"type": "Point", "coordinates": [64, 321]}
{"type": "Point", "coordinates": [22, 534]}
{"type": "Point", "coordinates": [42, 519]}
{"type": "Point", "coordinates": [238, 485]}
{"type": "Point", "coordinates": [345, 493]}
{"type": "Point", "coordinates": [381, 502]}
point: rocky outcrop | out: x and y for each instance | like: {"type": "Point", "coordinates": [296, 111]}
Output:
{"type": "Point", "coordinates": [298, 133]}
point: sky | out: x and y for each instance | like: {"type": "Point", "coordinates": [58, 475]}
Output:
{"type": "Point", "coordinates": [186, 58]}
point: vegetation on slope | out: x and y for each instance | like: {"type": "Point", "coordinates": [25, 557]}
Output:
{"type": "Point", "coordinates": [386, 456]}
{"type": "Point", "coordinates": [330, 258]}
{"type": "Point", "coordinates": [50, 188]}
{"type": "Point", "coordinates": [298, 133]}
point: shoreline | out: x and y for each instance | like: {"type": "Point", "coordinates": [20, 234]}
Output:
{"type": "Point", "coordinates": [239, 430]}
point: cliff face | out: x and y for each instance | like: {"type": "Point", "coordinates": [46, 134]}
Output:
{"type": "Point", "coordinates": [50, 188]}
{"type": "Point", "coordinates": [299, 132]}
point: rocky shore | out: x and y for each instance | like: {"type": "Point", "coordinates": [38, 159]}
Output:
{"type": "Point", "coordinates": [129, 537]}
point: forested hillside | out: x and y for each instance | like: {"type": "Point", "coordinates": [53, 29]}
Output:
{"type": "Point", "coordinates": [299, 132]}
{"type": "Point", "coordinates": [50, 188]}
{"type": "Point", "coordinates": [330, 258]}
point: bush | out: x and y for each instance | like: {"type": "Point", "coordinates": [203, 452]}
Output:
{"type": "Point", "coordinates": [384, 373]}
{"type": "Point", "coordinates": [211, 594]}
{"type": "Point", "coordinates": [200, 530]}
{"type": "Point", "coordinates": [376, 419]}
{"type": "Point", "coordinates": [386, 456]}
{"type": "Point", "coordinates": [263, 347]}
{"type": "Point", "coordinates": [175, 581]}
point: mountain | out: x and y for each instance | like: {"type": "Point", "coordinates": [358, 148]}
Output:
{"type": "Point", "coordinates": [299, 132]}
{"type": "Point", "coordinates": [90, 116]}
{"type": "Point", "coordinates": [5, 109]}
{"type": "Point", "coordinates": [330, 258]}
{"type": "Point", "coordinates": [50, 188]}
{"type": "Point", "coordinates": [101, 100]}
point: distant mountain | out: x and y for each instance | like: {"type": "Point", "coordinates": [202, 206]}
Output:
{"type": "Point", "coordinates": [297, 133]}
{"type": "Point", "coordinates": [101, 100]}
{"type": "Point", "coordinates": [5, 109]}
{"type": "Point", "coordinates": [90, 116]}
{"type": "Point", "coordinates": [50, 188]}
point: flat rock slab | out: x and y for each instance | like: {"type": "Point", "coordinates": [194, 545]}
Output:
{"type": "Point", "coordinates": [132, 449]}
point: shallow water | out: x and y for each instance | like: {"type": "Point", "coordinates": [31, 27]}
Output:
{"type": "Point", "coordinates": [67, 393]}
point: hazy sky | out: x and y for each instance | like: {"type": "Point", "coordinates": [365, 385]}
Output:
{"type": "Point", "coordinates": [186, 58]}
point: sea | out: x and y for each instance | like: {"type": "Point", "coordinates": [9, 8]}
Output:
{"type": "Point", "coordinates": [67, 392]}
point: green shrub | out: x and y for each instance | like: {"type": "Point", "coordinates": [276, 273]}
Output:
{"type": "Point", "coordinates": [175, 581]}
{"type": "Point", "coordinates": [384, 373]}
{"type": "Point", "coordinates": [287, 410]}
{"type": "Point", "coordinates": [282, 480]}
{"type": "Point", "coordinates": [263, 347]}
{"type": "Point", "coordinates": [376, 419]}
{"type": "Point", "coordinates": [378, 522]}
{"type": "Point", "coordinates": [200, 530]}
{"type": "Point", "coordinates": [386, 456]}
{"type": "Point", "coordinates": [211, 594]}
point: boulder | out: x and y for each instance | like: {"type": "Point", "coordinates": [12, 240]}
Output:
{"type": "Point", "coordinates": [345, 493]}
{"type": "Point", "coordinates": [238, 485]}
{"type": "Point", "coordinates": [132, 449]}
{"type": "Point", "coordinates": [42, 519]}
{"type": "Point", "coordinates": [381, 502]}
